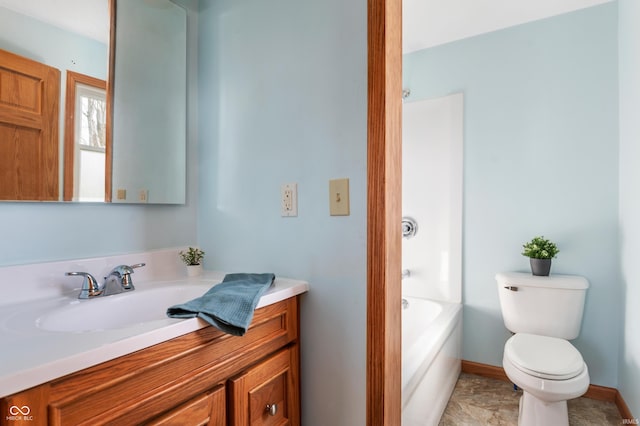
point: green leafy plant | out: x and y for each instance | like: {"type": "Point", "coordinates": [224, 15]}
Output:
{"type": "Point", "coordinates": [192, 256]}
{"type": "Point", "coordinates": [540, 248]}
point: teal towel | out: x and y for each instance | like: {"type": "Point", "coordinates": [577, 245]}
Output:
{"type": "Point", "coordinates": [229, 305]}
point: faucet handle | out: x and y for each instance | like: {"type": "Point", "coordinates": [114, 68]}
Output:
{"type": "Point", "coordinates": [125, 269]}
{"type": "Point", "coordinates": [124, 273]}
{"type": "Point", "coordinates": [90, 287]}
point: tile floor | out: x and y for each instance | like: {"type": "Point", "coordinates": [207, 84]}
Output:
{"type": "Point", "coordinates": [482, 401]}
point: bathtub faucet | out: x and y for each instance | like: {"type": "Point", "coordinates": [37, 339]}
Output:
{"type": "Point", "coordinates": [406, 273]}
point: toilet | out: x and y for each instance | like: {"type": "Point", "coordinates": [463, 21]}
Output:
{"type": "Point", "coordinates": [544, 313]}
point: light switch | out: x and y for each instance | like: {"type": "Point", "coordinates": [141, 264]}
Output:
{"type": "Point", "coordinates": [339, 197]}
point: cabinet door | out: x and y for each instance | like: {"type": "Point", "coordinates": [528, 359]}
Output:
{"type": "Point", "coordinates": [207, 409]}
{"type": "Point", "coordinates": [268, 393]}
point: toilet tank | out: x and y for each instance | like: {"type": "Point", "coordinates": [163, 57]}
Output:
{"type": "Point", "coordinates": [548, 306]}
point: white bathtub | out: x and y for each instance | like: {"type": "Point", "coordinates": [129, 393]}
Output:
{"type": "Point", "coordinates": [431, 350]}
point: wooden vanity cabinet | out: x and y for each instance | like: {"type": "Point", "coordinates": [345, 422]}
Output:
{"type": "Point", "coordinates": [202, 378]}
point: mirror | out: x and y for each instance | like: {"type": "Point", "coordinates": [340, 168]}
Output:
{"type": "Point", "coordinates": [114, 101]}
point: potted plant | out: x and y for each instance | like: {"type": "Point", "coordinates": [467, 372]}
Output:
{"type": "Point", "coordinates": [192, 257]}
{"type": "Point", "coordinates": [540, 251]}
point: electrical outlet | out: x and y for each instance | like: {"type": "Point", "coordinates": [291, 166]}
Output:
{"type": "Point", "coordinates": [289, 200]}
{"type": "Point", "coordinates": [121, 194]}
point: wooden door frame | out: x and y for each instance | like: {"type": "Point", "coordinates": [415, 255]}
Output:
{"type": "Point", "coordinates": [384, 212]}
{"type": "Point", "coordinates": [108, 168]}
{"type": "Point", "coordinates": [73, 79]}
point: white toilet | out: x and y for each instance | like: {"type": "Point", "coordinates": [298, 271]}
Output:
{"type": "Point", "coordinates": [544, 313]}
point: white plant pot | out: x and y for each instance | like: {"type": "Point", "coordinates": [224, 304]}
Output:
{"type": "Point", "coordinates": [194, 270]}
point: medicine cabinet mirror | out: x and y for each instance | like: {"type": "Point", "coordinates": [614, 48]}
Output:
{"type": "Point", "coordinates": [93, 101]}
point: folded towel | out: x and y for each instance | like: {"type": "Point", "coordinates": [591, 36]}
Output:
{"type": "Point", "coordinates": [228, 306]}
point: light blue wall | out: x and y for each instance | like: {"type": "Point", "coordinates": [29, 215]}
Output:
{"type": "Point", "coordinates": [629, 51]}
{"type": "Point", "coordinates": [541, 157]}
{"type": "Point", "coordinates": [283, 90]}
{"type": "Point", "coordinates": [35, 232]}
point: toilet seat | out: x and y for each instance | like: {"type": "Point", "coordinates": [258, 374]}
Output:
{"type": "Point", "coordinates": [544, 357]}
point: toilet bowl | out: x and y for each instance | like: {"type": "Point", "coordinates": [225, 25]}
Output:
{"type": "Point", "coordinates": [549, 371]}
{"type": "Point", "coordinates": [544, 313]}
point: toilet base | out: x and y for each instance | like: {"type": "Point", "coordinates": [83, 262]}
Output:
{"type": "Point", "coordinates": [535, 412]}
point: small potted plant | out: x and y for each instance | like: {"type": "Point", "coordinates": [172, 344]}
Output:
{"type": "Point", "coordinates": [192, 258]}
{"type": "Point", "coordinates": [540, 251]}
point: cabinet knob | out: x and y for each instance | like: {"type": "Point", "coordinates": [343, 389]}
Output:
{"type": "Point", "coordinates": [272, 409]}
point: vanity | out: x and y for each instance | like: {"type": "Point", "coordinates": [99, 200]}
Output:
{"type": "Point", "coordinates": [154, 370]}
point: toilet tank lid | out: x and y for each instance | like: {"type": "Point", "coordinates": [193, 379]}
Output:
{"type": "Point", "coordinates": [522, 279]}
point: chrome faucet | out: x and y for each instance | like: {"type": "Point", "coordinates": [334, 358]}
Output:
{"type": "Point", "coordinates": [118, 280]}
{"type": "Point", "coordinates": [406, 273]}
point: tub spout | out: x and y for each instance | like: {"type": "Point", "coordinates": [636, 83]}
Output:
{"type": "Point", "coordinates": [406, 273]}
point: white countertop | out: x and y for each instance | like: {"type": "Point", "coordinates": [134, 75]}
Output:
{"type": "Point", "coordinates": [30, 356]}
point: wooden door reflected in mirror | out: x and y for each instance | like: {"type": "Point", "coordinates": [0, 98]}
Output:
{"type": "Point", "coordinates": [29, 108]}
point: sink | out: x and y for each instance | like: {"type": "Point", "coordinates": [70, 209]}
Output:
{"type": "Point", "coordinates": [120, 310]}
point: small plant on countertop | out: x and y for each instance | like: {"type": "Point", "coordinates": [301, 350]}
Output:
{"type": "Point", "coordinates": [192, 256]}
{"type": "Point", "coordinates": [540, 248]}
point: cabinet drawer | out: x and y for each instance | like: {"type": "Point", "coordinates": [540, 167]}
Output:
{"type": "Point", "coordinates": [208, 409]}
{"type": "Point", "coordinates": [267, 394]}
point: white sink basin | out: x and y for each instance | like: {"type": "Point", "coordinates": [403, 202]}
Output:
{"type": "Point", "coordinates": [120, 310]}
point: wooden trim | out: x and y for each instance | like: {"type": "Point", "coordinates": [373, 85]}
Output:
{"type": "Point", "coordinates": [597, 392]}
{"type": "Point", "coordinates": [51, 156]}
{"type": "Point", "coordinates": [108, 167]}
{"type": "Point", "coordinates": [601, 393]}
{"type": "Point", "coordinates": [625, 412]}
{"type": "Point", "coordinates": [69, 138]}
{"type": "Point", "coordinates": [384, 185]}
{"type": "Point", "coordinates": [73, 78]}
{"type": "Point", "coordinates": [484, 370]}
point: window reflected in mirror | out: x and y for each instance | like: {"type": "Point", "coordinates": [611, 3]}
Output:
{"type": "Point", "coordinates": [91, 105]}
